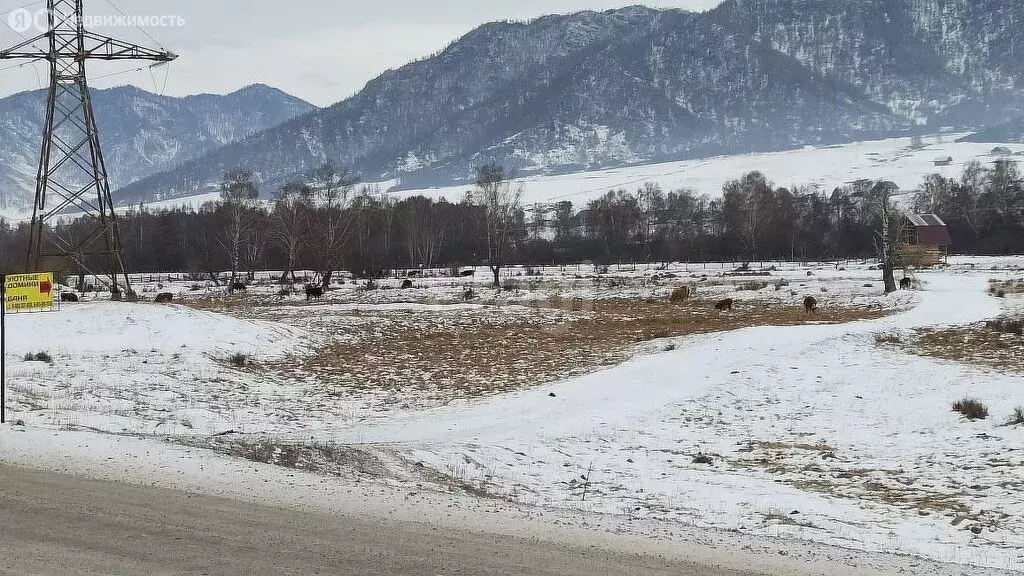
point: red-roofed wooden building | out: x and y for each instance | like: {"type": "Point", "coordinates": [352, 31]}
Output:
{"type": "Point", "coordinates": [926, 240]}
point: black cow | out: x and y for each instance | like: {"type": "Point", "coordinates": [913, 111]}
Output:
{"type": "Point", "coordinates": [314, 292]}
{"type": "Point", "coordinates": [906, 284]}
{"type": "Point", "coordinates": [810, 305]}
{"type": "Point", "coordinates": [239, 287]}
{"type": "Point", "coordinates": [724, 305]}
{"type": "Point", "coordinates": [164, 298]}
{"type": "Point", "coordinates": [68, 297]}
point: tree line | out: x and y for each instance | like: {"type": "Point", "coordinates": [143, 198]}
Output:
{"type": "Point", "coordinates": [328, 222]}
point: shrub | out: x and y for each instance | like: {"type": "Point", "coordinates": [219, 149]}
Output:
{"type": "Point", "coordinates": [1017, 418]}
{"type": "Point", "coordinates": [39, 357]}
{"type": "Point", "coordinates": [752, 286]}
{"type": "Point", "coordinates": [702, 458]}
{"type": "Point", "coordinates": [971, 408]}
{"type": "Point", "coordinates": [239, 360]}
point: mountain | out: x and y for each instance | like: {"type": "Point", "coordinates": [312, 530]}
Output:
{"type": "Point", "coordinates": [601, 89]}
{"type": "Point", "coordinates": [1007, 132]}
{"type": "Point", "coordinates": [141, 133]}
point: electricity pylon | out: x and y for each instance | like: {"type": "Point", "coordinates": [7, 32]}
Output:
{"type": "Point", "coordinates": [72, 177]}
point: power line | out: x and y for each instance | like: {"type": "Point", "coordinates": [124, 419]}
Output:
{"type": "Point", "coordinates": [140, 28]}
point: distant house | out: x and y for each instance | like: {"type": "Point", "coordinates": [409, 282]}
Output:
{"type": "Point", "coordinates": [926, 240]}
{"type": "Point", "coordinates": [947, 161]}
{"type": "Point", "coordinates": [1001, 151]}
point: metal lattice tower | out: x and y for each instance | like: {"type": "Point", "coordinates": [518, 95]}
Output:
{"type": "Point", "coordinates": [72, 177]}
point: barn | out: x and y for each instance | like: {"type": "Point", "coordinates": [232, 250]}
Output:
{"type": "Point", "coordinates": [926, 240]}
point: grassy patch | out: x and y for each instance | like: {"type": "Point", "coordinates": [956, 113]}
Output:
{"type": "Point", "coordinates": [1000, 288]}
{"type": "Point", "coordinates": [496, 354]}
{"type": "Point", "coordinates": [1006, 326]}
{"type": "Point", "coordinates": [978, 344]}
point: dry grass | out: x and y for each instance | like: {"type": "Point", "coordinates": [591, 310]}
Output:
{"type": "Point", "coordinates": [971, 408]}
{"type": "Point", "coordinates": [1000, 288]}
{"type": "Point", "coordinates": [888, 339]}
{"type": "Point", "coordinates": [1017, 418]}
{"type": "Point", "coordinates": [485, 357]}
{"type": "Point", "coordinates": [817, 468]}
{"type": "Point", "coordinates": [978, 344]}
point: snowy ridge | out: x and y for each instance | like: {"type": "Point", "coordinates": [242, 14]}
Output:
{"type": "Point", "coordinates": [141, 133]}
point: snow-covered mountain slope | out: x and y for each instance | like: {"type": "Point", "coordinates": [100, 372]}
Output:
{"type": "Point", "coordinates": [824, 168]}
{"type": "Point", "coordinates": [141, 133]}
{"type": "Point", "coordinates": [589, 91]}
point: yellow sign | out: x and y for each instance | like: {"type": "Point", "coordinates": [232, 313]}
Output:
{"type": "Point", "coordinates": [28, 293]}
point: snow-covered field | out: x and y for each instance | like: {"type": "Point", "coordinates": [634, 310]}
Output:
{"type": "Point", "coordinates": [813, 432]}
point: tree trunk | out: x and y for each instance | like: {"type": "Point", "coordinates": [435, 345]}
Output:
{"type": "Point", "coordinates": [326, 279]}
{"type": "Point", "coordinates": [496, 270]}
{"type": "Point", "coordinates": [889, 277]}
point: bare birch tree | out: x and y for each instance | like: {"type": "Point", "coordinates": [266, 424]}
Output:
{"type": "Point", "coordinates": [288, 228]}
{"type": "Point", "coordinates": [501, 200]}
{"type": "Point", "coordinates": [238, 195]}
{"type": "Point", "coordinates": [330, 226]}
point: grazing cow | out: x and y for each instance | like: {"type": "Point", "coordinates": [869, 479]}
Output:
{"type": "Point", "coordinates": [906, 284]}
{"type": "Point", "coordinates": [406, 284]}
{"type": "Point", "coordinates": [468, 273]}
{"type": "Point", "coordinates": [724, 305]}
{"type": "Point", "coordinates": [68, 297]}
{"type": "Point", "coordinates": [810, 305]}
{"type": "Point", "coordinates": [681, 294]}
{"type": "Point", "coordinates": [314, 293]}
{"type": "Point", "coordinates": [164, 298]}
{"type": "Point", "coordinates": [239, 287]}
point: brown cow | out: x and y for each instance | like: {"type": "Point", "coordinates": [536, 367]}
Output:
{"type": "Point", "coordinates": [810, 305]}
{"type": "Point", "coordinates": [681, 294]}
{"type": "Point", "coordinates": [724, 305]}
{"type": "Point", "coordinates": [164, 298]}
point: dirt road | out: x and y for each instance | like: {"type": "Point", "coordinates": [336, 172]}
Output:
{"type": "Point", "coordinates": [57, 525]}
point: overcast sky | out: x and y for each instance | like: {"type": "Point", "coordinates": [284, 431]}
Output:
{"type": "Point", "coordinates": [320, 50]}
